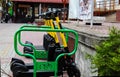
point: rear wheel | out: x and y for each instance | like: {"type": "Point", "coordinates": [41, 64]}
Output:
{"type": "Point", "coordinates": [73, 71]}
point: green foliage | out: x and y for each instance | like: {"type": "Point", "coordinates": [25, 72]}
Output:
{"type": "Point", "coordinates": [107, 58]}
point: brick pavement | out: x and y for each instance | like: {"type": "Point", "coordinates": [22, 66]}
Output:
{"type": "Point", "coordinates": [7, 33]}
{"type": "Point", "coordinates": [6, 45]}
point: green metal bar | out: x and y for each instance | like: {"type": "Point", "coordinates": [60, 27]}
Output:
{"type": "Point", "coordinates": [28, 26]}
{"type": "Point", "coordinates": [67, 36]}
{"type": "Point", "coordinates": [34, 26]}
{"type": "Point", "coordinates": [21, 54]}
{"type": "Point", "coordinates": [17, 38]}
{"type": "Point", "coordinates": [57, 30]}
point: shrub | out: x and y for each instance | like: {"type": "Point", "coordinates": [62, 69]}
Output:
{"type": "Point", "coordinates": [107, 57]}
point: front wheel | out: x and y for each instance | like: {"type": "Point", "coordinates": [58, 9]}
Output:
{"type": "Point", "coordinates": [73, 71]}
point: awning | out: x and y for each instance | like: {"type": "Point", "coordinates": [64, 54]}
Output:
{"type": "Point", "coordinates": [41, 1]}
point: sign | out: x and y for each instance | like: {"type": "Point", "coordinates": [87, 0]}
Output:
{"type": "Point", "coordinates": [73, 9]}
{"type": "Point", "coordinates": [85, 9]}
{"type": "Point", "coordinates": [80, 9]}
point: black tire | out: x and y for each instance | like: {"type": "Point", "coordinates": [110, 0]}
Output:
{"type": "Point", "coordinates": [18, 68]}
{"type": "Point", "coordinates": [73, 72]}
{"type": "Point", "coordinates": [15, 60]}
{"type": "Point", "coordinates": [27, 49]}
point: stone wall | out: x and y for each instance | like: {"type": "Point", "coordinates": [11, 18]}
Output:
{"type": "Point", "coordinates": [83, 63]}
{"type": "Point", "coordinates": [86, 46]}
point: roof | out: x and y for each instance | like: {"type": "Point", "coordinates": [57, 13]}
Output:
{"type": "Point", "coordinates": [40, 1]}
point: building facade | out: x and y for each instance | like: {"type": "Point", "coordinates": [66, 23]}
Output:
{"type": "Point", "coordinates": [25, 10]}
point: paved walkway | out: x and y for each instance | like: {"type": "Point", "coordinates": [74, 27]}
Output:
{"type": "Point", "coordinates": [6, 45]}
{"type": "Point", "coordinates": [7, 34]}
{"type": "Point", "coordinates": [98, 30]}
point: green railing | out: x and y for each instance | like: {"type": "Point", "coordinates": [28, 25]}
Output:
{"type": "Point", "coordinates": [39, 65]}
